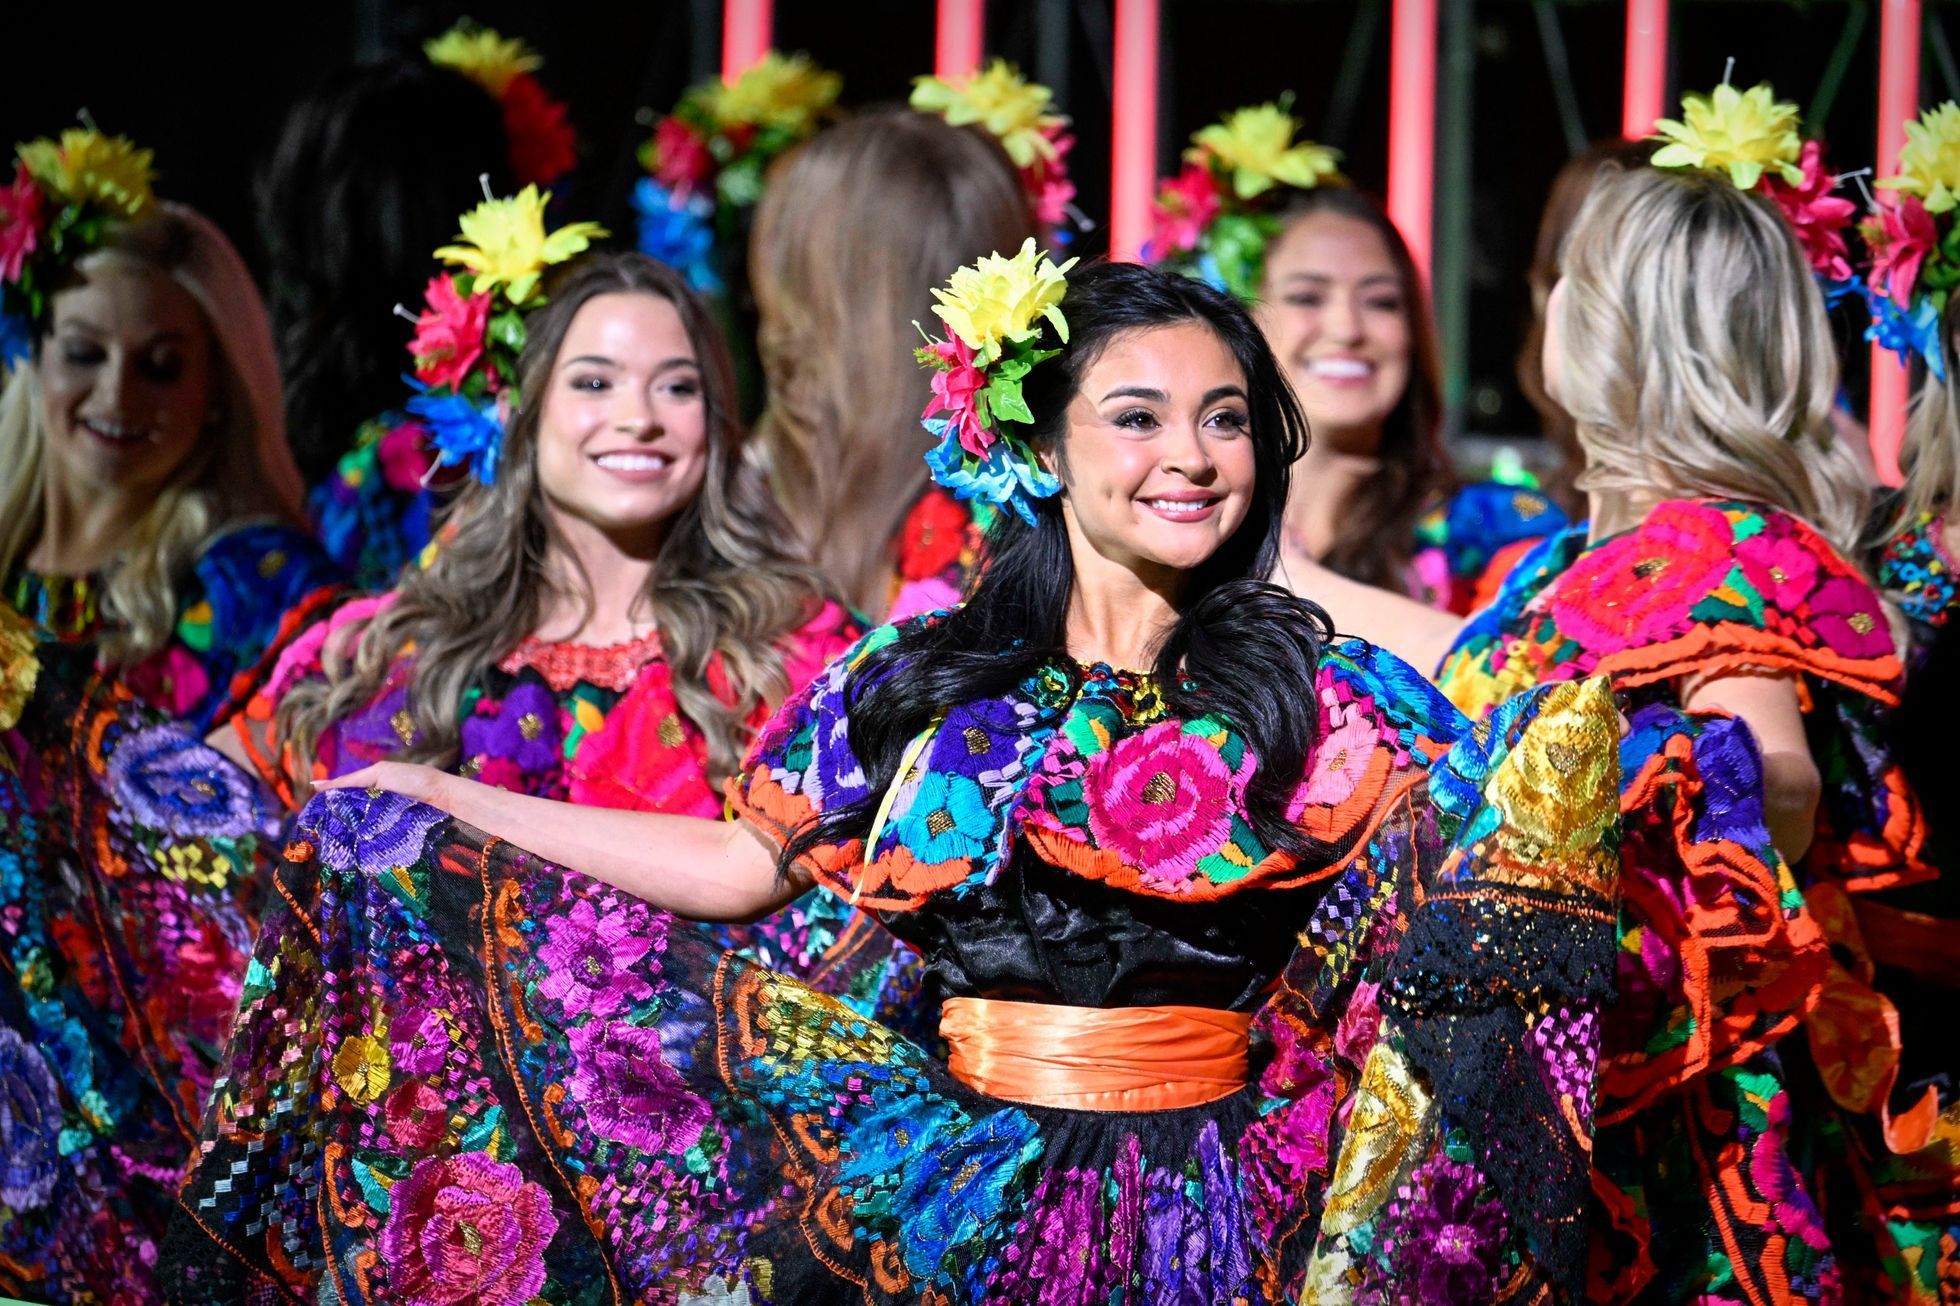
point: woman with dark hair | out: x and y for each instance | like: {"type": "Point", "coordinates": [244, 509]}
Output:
{"type": "Point", "coordinates": [1339, 296]}
{"type": "Point", "coordinates": [350, 204]}
{"type": "Point", "coordinates": [1130, 800]}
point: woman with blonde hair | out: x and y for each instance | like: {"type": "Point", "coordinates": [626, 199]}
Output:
{"type": "Point", "coordinates": [1688, 340]}
{"type": "Point", "coordinates": [148, 503]}
{"type": "Point", "coordinates": [839, 282]}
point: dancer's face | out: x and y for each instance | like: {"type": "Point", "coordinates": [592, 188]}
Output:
{"type": "Point", "coordinates": [623, 431]}
{"type": "Point", "coordinates": [1157, 465]}
{"type": "Point", "coordinates": [126, 380]}
{"type": "Point", "coordinates": [1337, 316]}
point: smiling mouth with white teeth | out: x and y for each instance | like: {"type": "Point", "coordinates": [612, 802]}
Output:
{"type": "Point", "coordinates": [633, 462]}
{"type": "Point", "coordinates": [1181, 509]}
{"type": "Point", "coordinates": [1340, 369]}
{"type": "Point", "coordinates": [116, 432]}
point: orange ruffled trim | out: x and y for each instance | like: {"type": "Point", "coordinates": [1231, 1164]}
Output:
{"type": "Point", "coordinates": [1096, 1059]}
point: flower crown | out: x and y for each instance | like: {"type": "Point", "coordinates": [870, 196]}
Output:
{"type": "Point", "coordinates": [993, 310]}
{"type": "Point", "coordinates": [1753, 137]}
{"type": "Point", "coordinates": [1915, 242]}
{"type": "Point", "coordinates": [1019, 114]}
{"type": "Point", "coordinates": [63, 196]}
{"type": "Point", "coordinates": [540, 140]}
{"type": "Point", "coordinates": [706, 159]}
{"type": "Point", "coordinates": [1214, 220]}
{"type": "Point", "coordinates": [471, 329]}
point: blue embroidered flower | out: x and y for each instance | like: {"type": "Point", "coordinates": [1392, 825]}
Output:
{"type": "Point", "coordinates": [170, 780]}
{"type": "Point", "coordinates": [678, 232]}
{"type": "Point", "coordinates": [30, 1125]}
{"type": "Point", "coordinates": [947, 818]}
{"type": "Point", "coordinates": [372, 832]}
{"type": "Point", "coordinates": [1008, 476]}
{"type": "Point", "coordinates": [462, 430]}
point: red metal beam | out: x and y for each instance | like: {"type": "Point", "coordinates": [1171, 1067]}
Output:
{"type": "Point", "coordinates": [747, 27]}
{"type": "Point", "coordinates": [1133, 137]}
{"type": "Point", "coordinates": [1412, 125]}
{"type": "Point", "coordinates": [960, 41]}
{"type": "Point", "coordinates": [1644, 95]}
{"type": "Point", "coordinates": [1898, 103]}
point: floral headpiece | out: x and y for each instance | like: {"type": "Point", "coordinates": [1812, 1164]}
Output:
{"type": "Point", "coordinates": [1915, 241]}
{"type": "Point", "coordinates": [1216, 217]}
{"type": "Point", "coordinates": [1019, 114]}
{"type": "Point", "coordinates": [1753, 137]}
{"type": "Point", "coordinates": [63, 195]}
{"type": "Point", "coordinates": [706, 159]}
{"type": "Point", "coordinates": [993, 311]}
{"type": "Point", "coordinates": [542, 145]}
{"type": "Point", "coordinates": [471, 330]}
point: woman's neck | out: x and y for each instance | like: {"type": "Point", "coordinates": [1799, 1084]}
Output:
{"type": "Point", "coordinates": [1325, 482]}
{"type": "Point", "coordinates": [597, 591]}
{"type": "Point", "coordinates": [83, 533]}
{"type": "Point", "coordinates": [1120, 615]}
{"type": "Point", "coordinates": [1612, 512]}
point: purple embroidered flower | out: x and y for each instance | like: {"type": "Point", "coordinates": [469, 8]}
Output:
{"type": "Point", "coordinates": [523, 728]}
{"type": "Point", "coordinates": [594, 958]}
{"type": "Point", "coordinates": [30, 1122]}
{"type": "Point", "coordinates": [466, 1228]}
{"type": "Point", "coordinates": [372, 832]}
{"type": "Point", "coordinates": [628, 1093]}
{"type": "Point", "coordinates": [420, 1041]}
{"type": "Point", "coordinates": [1732, 779]}
{"type": "Point", "coordinates": [165, 777]}
{"type": "Point", "coordinates": [376, 731]}
{"type": "Point", "coordinates": [1443, 1240]}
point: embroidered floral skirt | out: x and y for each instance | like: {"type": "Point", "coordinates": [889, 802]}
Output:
{"type": "Point", "coordinates": [129, 857]}
{"type": "Point", "coordinates": [461, 1073]}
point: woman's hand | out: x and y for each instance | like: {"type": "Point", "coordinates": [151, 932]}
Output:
{"type": "Point", "coordinates": [425, 784]}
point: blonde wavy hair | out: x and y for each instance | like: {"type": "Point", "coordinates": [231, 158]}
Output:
{"type": "Point", "coordinates": [1696, 356]}
{"type": "Point", "coordinates": [725, 580]}
{"type": "Point", "coordinates": [1930, 453]}
{"type": "Point", "coordinates": [853, 232]}
{"type": "Point", "coordinates": [242, 471]}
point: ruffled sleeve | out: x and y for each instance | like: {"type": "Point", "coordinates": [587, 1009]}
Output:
{"type": "Point", "coordinates": [1467, 544]}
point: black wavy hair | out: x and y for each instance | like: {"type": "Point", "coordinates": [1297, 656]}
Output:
{"type": "Point", "coordinates": [1242, 648]}
{"type": "Point", "coordinates": [371, 171]}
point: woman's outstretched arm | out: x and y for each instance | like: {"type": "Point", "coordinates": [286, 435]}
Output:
{"type": "Point", "coordinates": [701, 869]}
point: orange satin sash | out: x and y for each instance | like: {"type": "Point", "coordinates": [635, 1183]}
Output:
{"type": "Point", "coordinates": [1095, 1058]}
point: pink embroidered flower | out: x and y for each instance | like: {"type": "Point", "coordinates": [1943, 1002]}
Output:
{"type": "Point", "coordinates": [1361, 1024]}
{"type": "Point", "coordinates": [1777, 1179]}
{"type": "Point", "coordinates": [1818, 215]}
{"type": "Point", "coordinates": [1778, 568]}
{"type": "Point", "coordinates": [1847, 614]}
{"type": "Point", "coordinates": [1340, 760]}
{"type": "Point", "coordinates": [1161, 799]}
{"type": "Point", "coordinates": [417, 1115]}
{"type": "Point", "coordinates": [449, 334]}
{"type": "Point", "coordinates": [592, 960]}
{"type": "Point", "coordinates": [1181, 211]}
{"type": "Point", "coordinates": [466, 1228]}
{"type": "Point", "coordinates": [405, 456]}
{"type": "Point", "coordinates": [1900, 235]}
{"type": "Point", "coordinates": [20, 223]}
{"type": "Point", "coordinates": [1639, 588]}
{"type": "Point", "coordinates": [956, 387]}
{"type": "Point", "coordinates": [419, 1041]}
{"type": "Point", "coordinates": [173, 680]}
{"type": "Point", "coordinates": [628, 1093]}
{"type": "Point", "coordinates": [681, 159]}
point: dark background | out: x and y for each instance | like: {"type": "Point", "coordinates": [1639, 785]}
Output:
{"type": "Point", "coordinates": [206, 88]}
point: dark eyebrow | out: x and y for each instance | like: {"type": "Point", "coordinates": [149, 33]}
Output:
{"type": "Point", "coordinates": [600, 360]}
{"type": "Point", "coordinates": [1322, 278]}
{"type": "Point", "coordinates": [1137, 392]}
{"type": "Point", "coordinates": [161, 337]}
{"type": "Point", "coordinates": [1218, 392]}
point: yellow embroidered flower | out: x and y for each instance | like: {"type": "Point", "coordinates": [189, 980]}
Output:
{"type": "Point", "coordinates": [362, 1068]}
{"type": "Point", "coordinates": [483, 55]}
{"type": "Point", "coordinates": [1745, 133]}
{"type": "Point", "coordinates": [1257, 145]}
{"type": "Point", "coordinates": [1013, 110]}
{"type": "Point", "coordinates": [786, 92]}
{"type": "Point", "coordinates": [20, 665]}
{"type": "Point", "coordinates": [503, 242]}
{"type": "Point", "coordinates": [86, 166]}
{"type": "Point", "coordinates": [1003, 300]}
{"type": "Point", "coordinates": [1929, 165]}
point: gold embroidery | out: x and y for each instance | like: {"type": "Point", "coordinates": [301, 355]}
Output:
{"type": "Point", "coordinates": [1385, 1133]}
{"type": "Point", "coordinates": [404, 725]}
{"type": "Point", "coordinates": [1648, 568]}
{"type": "Point", "coordinates": [1778, 575]}
{"type": "Point", "coordinates": [272, 564]}
{"type": "Point", "coordinates": [939, 822]}
{"type": "Point", "coordinates": [1861, 622]}
{"type": "Point", "coordinates": [530, 726]}
{"type": "Point", "coordinates": [670, 734]}
{"type": "Point", "coordinates": [1161, 788]}
{"type": "Point", "coordinates": [976, 740]}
